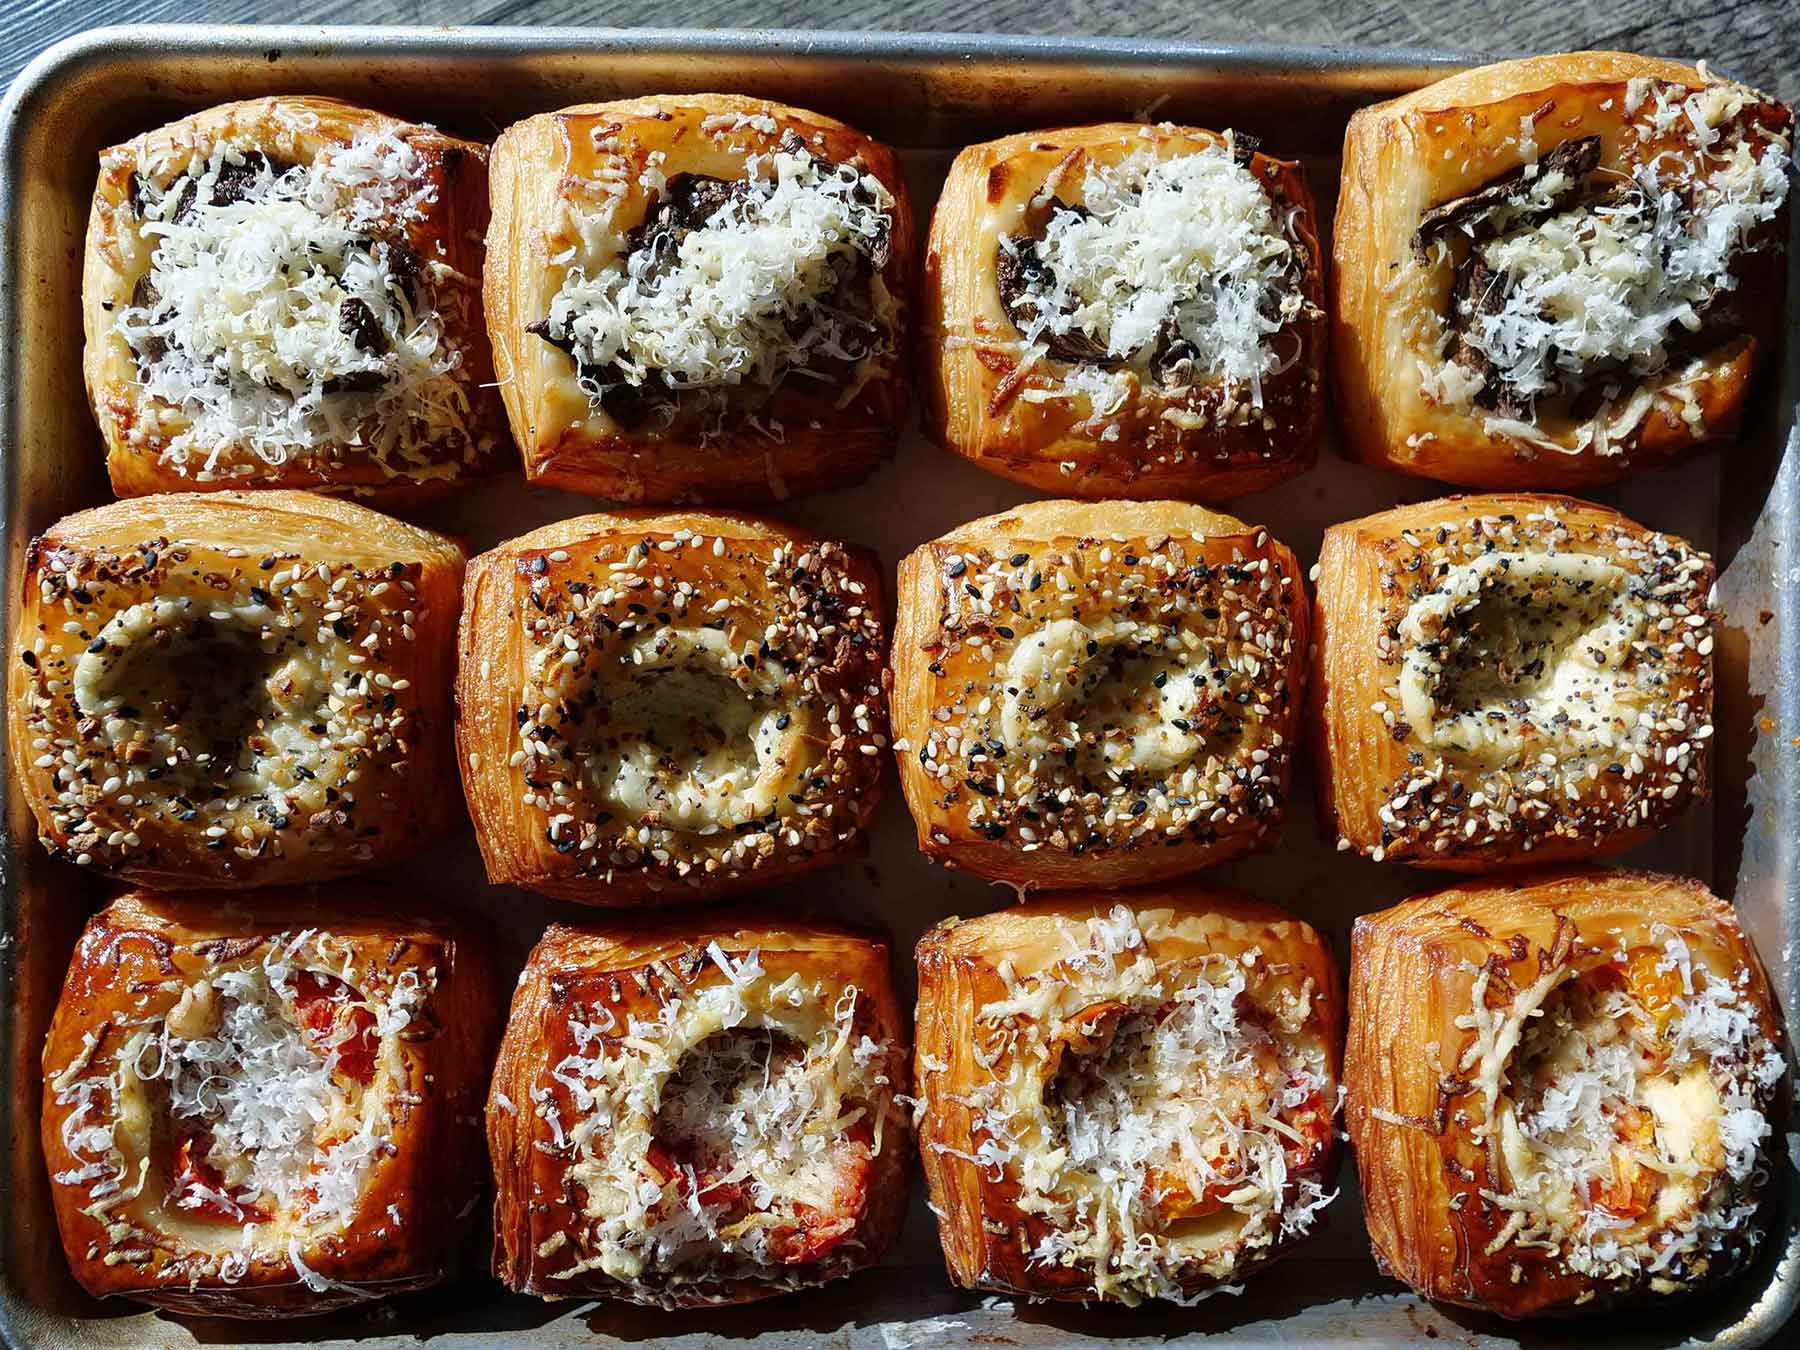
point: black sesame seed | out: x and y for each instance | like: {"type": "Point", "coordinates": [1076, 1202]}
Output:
{"type": "Point", "coordinates": [957, 567]}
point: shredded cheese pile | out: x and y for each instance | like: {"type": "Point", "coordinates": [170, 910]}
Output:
{"type": "Point", "coordinates": [728, 1136]}
{"type": "Point", "coordinates": [1165, 1122]}
{"type": "Point", "coordinates": [280, 1141]}
{"type": "Point", "coordinates": [1605, 293]}
{"type": "Point", "coordinates": [1631, 1116]}
{"type": "Point", "coordinates": [1187, 249]}
{"type": "Point", "coordinates": [283, 312]}
{"type": "Point", "coordinates": [764, 289]}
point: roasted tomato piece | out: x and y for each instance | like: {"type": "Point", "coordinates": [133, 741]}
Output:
{"type": "Point", "coordinates": [332, 1017]}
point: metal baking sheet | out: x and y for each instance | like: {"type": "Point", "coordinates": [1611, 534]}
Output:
{"type": "Point", "coordinates": [927, 95]}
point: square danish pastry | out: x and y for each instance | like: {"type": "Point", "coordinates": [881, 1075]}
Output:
{"type": "Point", "coordinates": [1126, 1099]}
{"type": "Point", "coordinates": [1126, 311]}
{"type": "Point", "coordinates": [270, 1108]}
{"type": "Point", "coordinates": [285, 293]}
{"type": "Point", "coordinates": [665, 707]}
{"type": "Point", "coordinates": [1505, 678]}
{"type": "Point", "coordinates": [1561, 1089]}
{"type": "Point", "coordinates": [235, 689]}
{"type": "Point", "coordinates": [1098, 693]}
{"type": "Point", "coordinates": [688, 1114]}
{"type": "Point", "coordinates": [699, 298]}
{"type": "Point", "coordinates": [1553, 272]}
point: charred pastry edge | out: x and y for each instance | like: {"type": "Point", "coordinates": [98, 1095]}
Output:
{"type": "Point", "coordinates": [1431, 1215]}
{"type": "Point", "coordinates": [807, 589]}
{"type": "Point", "coordinates": [391, 623]}
{"type": "Point", "coordinates": [1397, 545]}
{"type": "Point", "coordinates": [1384, 419]}
{"type": "Point", "coordinates": [980, 561]}
{"type": "Point", "coordinates": [978, 1212]}
{"type": "Point", "coordinates": [799, 443]}
{"type": "Point", "coordinates": [445, 241]}
{"type": "Point", "coordinates": [658, 966]}
{"type": "Point", "coordinates": [971, 380]}
{"type": "Point", "coordinates": [401, 1236]}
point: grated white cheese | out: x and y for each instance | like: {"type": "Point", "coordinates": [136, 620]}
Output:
{"type": "Point", "coordinates": [240, 329]}
{"type": "Point", "coordinates": [729, 1135]}
{"type": "Point", "coordinates": [1602, 294]}
{"type": "Point", "coordinates": [1632, 1114]}
{"type": "Point", "coordinates": [764, 289]}
{"type": "Point", "coordinates": [1165, 1120]}
{"type": "Point", "coordinates": [1187, 248]}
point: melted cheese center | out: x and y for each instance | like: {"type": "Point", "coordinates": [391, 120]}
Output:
{"type": "Point", "coordinates": [1107, 695]}
{"type": "Point", "coordinates": [694, 734]}
{"type": "Point", "coordinates": [1513, 650]}
{"type": "Point", "coordinates": [223, 701]}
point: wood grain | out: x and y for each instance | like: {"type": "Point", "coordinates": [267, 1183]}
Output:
{"type": "Point", "coordinates": [1751, 40]}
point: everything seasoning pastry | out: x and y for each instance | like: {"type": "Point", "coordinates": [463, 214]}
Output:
{"type": "Point", "coordinates": [699, 298]}
{"type": "Point", "coordinates": [1102, 693]}
{"type": "Point", "coordinates": [1554, 272]}
{"type": "Point", "coordinates": [1126, 1097]}
{"type": "Point", "coordinates": [1126, 311]}
{"type": "Point", "coordinates": [284, 293]}
{"type": "Point", "coordinates": [689, 1113]}
{"type": "Point", "coordinates": [1508, 677]}
{"type": "Point", "coordinates": [669, 707]}
{"type": "Point", "coordinates": [235, 689]}
{"type": "Point", "coordinates": [270, 1108]}
{"type": "Point", "coordinates": [1561, 1089]}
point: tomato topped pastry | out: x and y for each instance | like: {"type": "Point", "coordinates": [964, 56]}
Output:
{"type": "Point", "coordinates": [266, 1109]}
{"type": "Point", "coordinates": [690, 1113]}
{"type": "Point", "coordinates": [1562, 1089]}
{"type": "Point", "coordinates": [1127, 1096]}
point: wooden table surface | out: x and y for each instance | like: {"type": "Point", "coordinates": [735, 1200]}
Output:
{"type": "Point", "coordinates": [1751, 39]}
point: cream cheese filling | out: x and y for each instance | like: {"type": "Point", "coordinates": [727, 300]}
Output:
{"type": "Point", "coordinates": [1118, 692]}
{"type": "Point", "coordinates": [221, 700]}
{"type": "Point", "coordinates": [1514, 650]}
{"type": "Point", "coordinates": [695, 735]}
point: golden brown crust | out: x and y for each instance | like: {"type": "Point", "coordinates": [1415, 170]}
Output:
{"type": "Point", "coordinates": [1437, 144]}
{"type": "Point", "coordinates": [562, 180]}
{"type": "Point", "coordinates": [1013, 1004]}
{"type": "Point", "coordinates": [1443, 742]}
{"type": "Point", "coordinates": [1445, 991]}
{"type": "Point", "coordinates": [982, 401]}
{"type": "Point", "coordinates": [235, 689]}
{"type": "Point", "coordinates": [769, 638]}
{"type": "Point", "coordinates": [566, 1116]}
{"type": "Point", "coordinates": [1007, 633]}
{"type": "Point", "coordinates": [137, 970]}
{"type": "Point", "coordinates": [445, 236]}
